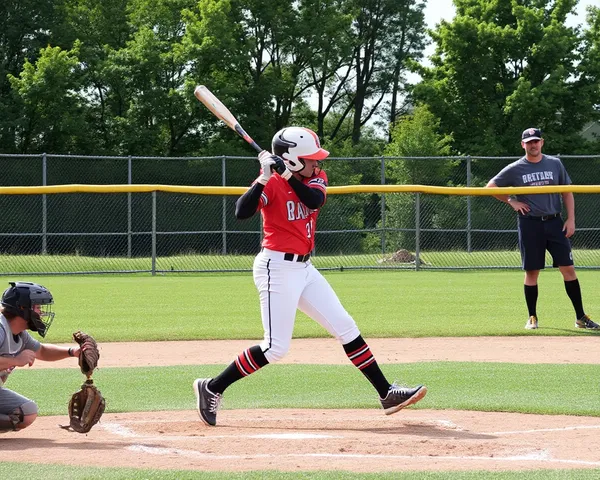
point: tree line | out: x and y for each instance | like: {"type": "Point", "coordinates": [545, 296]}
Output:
{"type": "Point", "coordinates": [116, 77]}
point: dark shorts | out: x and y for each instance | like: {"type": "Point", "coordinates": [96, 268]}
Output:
{"type": "Point", "coordinates": [536, 236]}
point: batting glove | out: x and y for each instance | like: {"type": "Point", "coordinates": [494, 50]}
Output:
{"type": "Point", "coordinates": [267, 161]}
{"type": "Point", "coordinates": [281, 168]}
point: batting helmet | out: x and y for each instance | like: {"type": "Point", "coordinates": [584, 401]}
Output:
{"type": "Point", "coordinates": [294, 144]}
{"type": "Point", "coordinates": [22, 297]}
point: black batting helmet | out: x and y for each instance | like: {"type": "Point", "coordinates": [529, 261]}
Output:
{"type": "Point", "coordinates": [20, 299]}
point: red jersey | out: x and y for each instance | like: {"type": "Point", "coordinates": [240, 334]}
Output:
{"type": "Point", "coordinates": [289, 225]}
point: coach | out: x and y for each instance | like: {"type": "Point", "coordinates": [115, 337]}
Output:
{"type": "Point", "coordinates": [541, 227]}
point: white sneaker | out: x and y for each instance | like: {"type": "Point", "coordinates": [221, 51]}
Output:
{"type": "Point", "coordinates": [532, 323]}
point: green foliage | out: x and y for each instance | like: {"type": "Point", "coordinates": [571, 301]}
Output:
{"type": "Point", "coordinates": [49, 92]}
{"type": "Point", "coordinates": [502, 67]}
{"type": "Point", "coordinates": [413, 136]}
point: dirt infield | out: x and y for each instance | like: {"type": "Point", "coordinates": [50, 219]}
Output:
{"type": "Point", "coordinates": [354, 440]}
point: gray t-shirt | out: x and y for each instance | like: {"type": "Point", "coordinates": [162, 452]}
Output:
{"type": "Point", "coordinates": [11, 345]}
{"type": "Point", "coordinates": [522, 173]}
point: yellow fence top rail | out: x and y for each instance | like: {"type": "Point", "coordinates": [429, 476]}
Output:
{"type": "Point", "coordinates": [479, 191]}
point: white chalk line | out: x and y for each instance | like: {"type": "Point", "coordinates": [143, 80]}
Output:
{"type": "Point", "coordinates": [536, 456]}
{"type": "Point", "coordinates": [120, 430]}
{"type": "Point", "coordinates": [538, 430]}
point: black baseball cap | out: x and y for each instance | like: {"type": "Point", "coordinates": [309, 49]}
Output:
{"type": "Point", "coordinates": [531, 134]}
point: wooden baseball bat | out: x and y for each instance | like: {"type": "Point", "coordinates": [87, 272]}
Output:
{"type": "Point", "coordinates": [222, 113]}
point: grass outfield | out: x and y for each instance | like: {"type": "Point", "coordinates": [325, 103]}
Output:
{"type": "Point", "coordinates": [219, 263]}
{"type": "Point", "coordinates": [488, 387]}
{"type": "Point", "coordinates": [383, 303]}
{"type": "Point", "coordinates": [58, 472]}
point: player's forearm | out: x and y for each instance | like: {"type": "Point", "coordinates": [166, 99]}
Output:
{"type": "Point", "coordinates": [7, 362]}
{"type": "Point", "coordinates": [51, 353]}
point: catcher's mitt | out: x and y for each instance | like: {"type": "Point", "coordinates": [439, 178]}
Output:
{"type": "Point", "coordinates": [85, 408]}
{"type": "Point", "coordinates": [88, 354]}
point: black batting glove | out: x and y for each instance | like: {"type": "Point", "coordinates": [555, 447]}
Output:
{"type": "Point", "coordinates": [281, 168]}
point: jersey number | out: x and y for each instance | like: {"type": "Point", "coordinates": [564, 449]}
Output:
{"type": "Point", "coordinates": [309, 229]}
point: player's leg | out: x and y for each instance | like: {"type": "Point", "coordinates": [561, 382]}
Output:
{"type": "Point", "coordinates": [279, 284]}
{"type": "Point", "coordinates": [559, 247]}
{"type": "Point", "coordinates": [320, 302]}
{"type": "Point", "coordinates": [532, 245]}
{"type": "Point", "coordinates": [16, 411]}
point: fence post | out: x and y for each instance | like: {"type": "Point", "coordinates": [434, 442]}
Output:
{"type": "Point", "coordinates": [383, 230]}
{"type": "Point", "coordinates": [418, 231]}
{"type": "Point", "coordinates": [129, 181]}
{"type": "Point", "coordinates": [44, 206]}
{"type": "Point", "coordinates": [154, 232]}
{"type": "Point", "coordinates": [469, 179]}
{"type": "Point", "coordinates": [224, 204]}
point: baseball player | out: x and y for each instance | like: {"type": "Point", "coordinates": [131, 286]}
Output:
{"type": "Point", "coordinates": [540, 225]}
{"type": "Point", "coordinates": [25, 306]}
{"type": "Point", "coordinates": [289, 200]}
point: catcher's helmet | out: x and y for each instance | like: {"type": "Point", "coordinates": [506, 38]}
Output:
{"type": "Point", "coordinates": [22, 297]}
{"type": "Point", "coordinates": [294, 144]}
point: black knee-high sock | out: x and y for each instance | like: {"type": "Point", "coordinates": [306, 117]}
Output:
{"type": "Point", "coordinates": [360, 355]}
{"type": "Point", "coordinates": [247, 362]}
{"type": "Point", "coordinates": [574, 292]}
{"type": "Point", "coordinates": [531, 296]}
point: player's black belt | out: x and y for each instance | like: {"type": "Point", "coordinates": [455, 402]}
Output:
{"type": "Point", "coordinates": [292, 257]}
{"type": "Point", "coordinates": [543, 218]}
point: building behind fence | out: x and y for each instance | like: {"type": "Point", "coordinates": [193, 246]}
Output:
{"type": "Point", "coordinates": [176, 232]}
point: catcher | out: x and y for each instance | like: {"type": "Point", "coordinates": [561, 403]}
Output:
{"type": "Point", "coordinates": [27, 306]}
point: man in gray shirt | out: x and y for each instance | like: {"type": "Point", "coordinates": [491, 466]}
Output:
{"type": "Point", "coordinates": [540, 225]}
{"type": "Point", "coordinates": [25, 306]}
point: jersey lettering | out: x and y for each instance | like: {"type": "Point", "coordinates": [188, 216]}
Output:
{"type": "Point", "coordinates": [296, 211]}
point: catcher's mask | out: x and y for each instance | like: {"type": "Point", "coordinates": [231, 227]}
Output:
{"type": "Point", "coordinates": [32, 302]}
{"type": "Point", "coordinates": [294, 144]}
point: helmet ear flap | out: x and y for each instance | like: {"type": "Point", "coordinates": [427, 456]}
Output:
{"type": "Point", "coordinates": [294, 165]}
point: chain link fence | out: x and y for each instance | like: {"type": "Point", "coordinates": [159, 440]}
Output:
{"type": "Point", "coordinates": [161, 232]}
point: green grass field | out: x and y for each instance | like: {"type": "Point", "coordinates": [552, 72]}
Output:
{"type": "Point", "coordinates": [459, 259]}
{"type": "Point", "coordinates": [384, 304]}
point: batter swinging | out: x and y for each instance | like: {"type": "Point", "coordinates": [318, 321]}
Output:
{"type": "Point", "coordinates": [289, 193]}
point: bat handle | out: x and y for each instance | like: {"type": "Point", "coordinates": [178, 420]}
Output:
{"type": "Point", "coordinates": [242, 133]}
{"type": "Point", "coordinates": [256, 147]}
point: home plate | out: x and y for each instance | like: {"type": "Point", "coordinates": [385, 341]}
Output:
{"type": "Point", "coordinates": [292, 436]}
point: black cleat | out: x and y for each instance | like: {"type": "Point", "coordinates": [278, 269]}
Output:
{"type": "Point", "coordinates": [207, 402]}
{"type": "Point", "coordinates": [399, 397]}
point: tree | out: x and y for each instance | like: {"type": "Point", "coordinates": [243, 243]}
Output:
{"type": "Point", "coordinates": [501, 67]}
{"type": "Point", "coordinates": [418, 135]}
{"type": "Point", "coordinates": [25, 28]}
{"type": "Point", "coordinates": [381, 54]}
{"type": "Point", "coordinates": [48, 91]}
{"type": "Point", "coordinates": [589, 68]}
